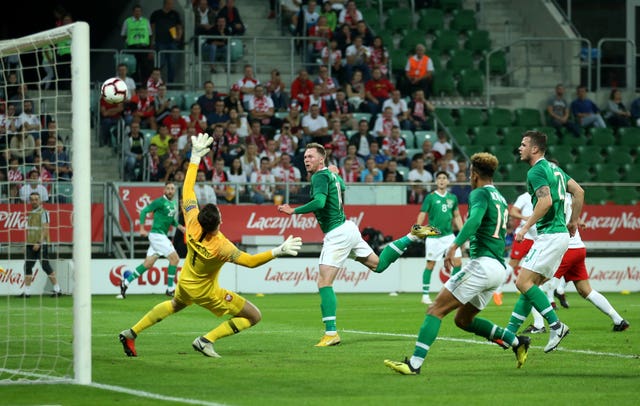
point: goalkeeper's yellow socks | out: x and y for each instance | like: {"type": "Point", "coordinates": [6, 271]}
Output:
{"type": "Point", "coordinates": [328, 307]}
{"type": "Point", "coordinates": [155, 315]}
{"type": "Point", "coordinates": [171, 275]}
{"type": "Point", "coordinates": [426, 280]}
{"type": "Point", "coordinates": [392, 252]}
{"type": "Point", "coordinates": [229, 327]}
{"type": "Point", "coordinates": [490, 331]}
{"type": "Point", "coordinates": [427, 335]}
{"type": "Point", "coordinates": [519, 314]}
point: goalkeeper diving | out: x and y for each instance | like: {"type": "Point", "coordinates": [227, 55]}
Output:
{"type": "Point", "coordinates": [207, 251]}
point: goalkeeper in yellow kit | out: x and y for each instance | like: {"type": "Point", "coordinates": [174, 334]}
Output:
{"type": "Point", "coordinates": [208, 249]}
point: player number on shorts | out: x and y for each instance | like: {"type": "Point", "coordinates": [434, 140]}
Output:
{"type": "Point", "coordinates": [503, 218]}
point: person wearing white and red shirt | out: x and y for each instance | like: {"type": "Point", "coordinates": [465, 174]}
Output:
{"type": "Point", "coordinates": [441, 146]}
{"type": "Point", "coordinates": [400, 109]}
{"type": "Point", "coordinates": [256, 137]}
{"type": "Point", "coordinates": [339, 140]}
{"type": "Point", "coordinates": [328, 85]}
{"type": "Point", "coordinates": [263, 183]}
{"type": "Point", "coordinates": [196, 119]}
{"type": "Point", "coordinates": [154, 82]}
{"type": "Point", "coordinates": [350, 15]}
{"type": "Point", "coordinates": [219, 178]}
{"type": "Point", "coordinates": [385, 122]}
{"type": "Point", "coordinates": [287, 142]}
{"type": "Point", "coordinates": [247, 85]}
{"type": "Point", "coordinates": [317, 99]}
{"type": "Point", "coordinates": [145, 110]}
{"type": "Point", "coordinates": [176, 124]}
{"type": "Point", "coordinates": [342, 110]}
{"type": "Point", "coordinates": [350, 172]}
{"type": "Point", "coordinates": [14, 174]}
{"type": "Point", "coordinates": [234, 142]}
{"type": "Point", "coordinates": [272, 153]}
{"type": "Point", "coordinates": [315, 127]}
{"type": "Point", "coordinates": [287, 173]}
{"type": "Point", "coordinates": [419, 109]}
{"type": "Point", "coordinates": [395, 147]}
{"type": "Point", "coordinates": [204, 191]}
{"type": "Point", "coordinates": [261, 107]}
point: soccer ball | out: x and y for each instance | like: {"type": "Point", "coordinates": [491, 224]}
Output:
{"type": "Point", "coordinates": [114, 91]}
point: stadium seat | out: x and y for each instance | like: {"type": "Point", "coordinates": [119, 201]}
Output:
{"type": "Point", "coordinates": [629, 136]}
{"type": "Point", "coordinates": [505, 153]}
{"type": "Point", "coordinates": [527, 117]}
{"type": "Point", "coordinates": [497, 63]}
{"type": "Point", "coordinates": [607, 173]}
{"type": "Point", "coordinates": [443, 83]}
{"type": "Point", "coordinates": [450, 5]}
{"type": "Point", "coordinates": [187, 98]}
{"type": "Point", "coordinates": [387, 39]}
{"type": "Point", "coordinates": [472, 149]}
{"type": "Point", "coordinates": [581, 172]}
{"type": "Point", "coordinates": [570, 139]}
{"type": "Point", "coordinates": [422, 135]}
{"type": "Point", "coordinates": [461, 135]}
{"type": "Point", "coordinates": [596, 195]}
{"type": "Point", "coordinates": [399, 18]}
{"type": "Point", "coordinates": [498, 176]}
{"type": "Point", "coordinates": [617, 155]}
{"type": "Point", "coordinates": [446, 41]}
{"type": "Point", "coordinates": [471, 83]}
{"type": "Point", "coordinates": [512, 134]}
{"type": "Point", "coordinates": [469, 117]}
{"type": "Point", "coordinates": [516, 172]}
{"type": "Point", "coordinates": [463, 21]}
{"type": "Point", "coordinates": [362, 116]}
{"type": "Point", "coordinates": [562, 153]}
{"type": "Point", "coordinates": [236, 49]}
{"type": "Point", "coordinates": [624, 195]}
{"type": "Point", "coordinates": [631, 173]}
{"type": "Point", "coordinates": [591, 154]}
{"type": "Point", "coordinates": [398, 58]}
{"type": "Point", "coordinates": [499, 117]}
{"type": "Point", "coordinates": [404, 171]}
{"type": "Point", "coordinates": [409, 138]}
{"type": "Point", "coordinates": [510, 193]}
{"type": "Point", "coordinates": [431, 20]}
{"type": "Point", "coordinates": [281, 114]}
{"type": "Point", "coordinates": [479, 42]}
{"type": "Point", "coordinates": [486, 135]}
{"type": "Point", "coordinates": [437, 62]}
{"type": "Point", "coordinates": [129, 60]}
{"type": "Point", "coordinates": [601, 136]}
{"type": "Point", "coordinates": [371, 16]}
{"type": "Point", "coordinates": [445, 116]}
{"type": "Point", "coordinates": [460, 60]}
{"type": "Point", "coordinates": [411, 38]}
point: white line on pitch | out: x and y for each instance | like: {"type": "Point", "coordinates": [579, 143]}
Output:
{"type": "Point", "coordinates": [149, 395]}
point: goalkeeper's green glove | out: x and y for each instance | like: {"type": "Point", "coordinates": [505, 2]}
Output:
{"type": "Point", "coordinates": [200, 147]}
{"type": "Point", "coordinates": [290, 246]}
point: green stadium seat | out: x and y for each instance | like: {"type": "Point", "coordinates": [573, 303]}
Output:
{"type": "Point", "coordinates": [437, 62]}
{"type": "Point", "coordinates": [387, 39]}
{"type": "Point", "coordinates": [581, 172]}
{"type": "Point", "coordinates": [463, 21]}
{"type": "Point", "coordinates": [472, 149]}
{"type": "Point", "coordinates": [570, 139]}
{"type": "Point", "coordinates": [479, 42]}
{"type": "Point", "coordinates": [469, 117]}
{"type": "Point", "coordinates": [516, 172]}
{"type": "Point", "coordinates": [461, 135]}
{"type": "Point", "coordinates": [399, 18]}
{"type": "Point", "coordinates": [505, 154]}
{"type": "Point", "coordinates": [450, 5]}
{"type": "Point", "coordinates": [471, 83]}
{"type": "Point", "coordinates": [129, 60]}
{"type": "Point", "coordinates": [446, 41]}
{"type": "Point", "coordinates": [423, 135]}
{"type": "Point", "coordinates": [431, 20]}
{"type": "Point", "coordinates": [398, 58]}
{"type": "Point", "coordinates": [629, 136]}
{"type": "Point", "coordinates": [460, 60]}
{"type": "Point", "coordinates": [362, 116]}
{"type": "Point", "coordinates": [412, 38]}
{"type": "Point", "coordinates": [443, 83]}
{"type": "Point", "coordinates": [607, 173]}
{"type": "Point", "coordinates": [497, 63]}
{"type": "Point", "coordinates": [486, 135]}
{"type": "Point", "coordinates": [631, 173]}
{"type": "Point", "coordinates": [445, 116]}
{"type": "Point", "coordinates": [409, 138]}
{"type": "Point", "coordinates": [562, 153]}
{"type": "Point", "coordinates": [512, 134]}
{"type": "Point", "coordinates": [596, 195]}
{"type": "Point", "coordinates": [404, 171]}
{"type": "Point", "coordinates": [510, 193]}
{"type": "Point", "coordinates": [601, 136]}
{"type": "Point", "coordinates": [498, 176]}
{"type": "Point", "coordinates": [618, 155]}
{"type": "Point", "coordinates": [591, 154]}
{"type": "Point", "coordinates": [187, 98]}
{"type": "Point", "coordinates": [624, 195]}
{"type": "Point", "coordinates": [371, 16]}
{"type": "Point", "coordinates": [527, 117]}
{"type": "Point", "coordinates": [566, 133]}
{"type": "Point", "coordinates": [499, 117]}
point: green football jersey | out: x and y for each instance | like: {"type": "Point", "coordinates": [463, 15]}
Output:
{"type": "Point", "coordinates": [440, 210]}
{"type": "Point", "coordinates": [486, 225]}
{"type": "Point", "coordinates": [328, 187]}
{"type": "Point", "coordinates": [164, 214]}
{"type": "Point", "coordinates": [545, 173]}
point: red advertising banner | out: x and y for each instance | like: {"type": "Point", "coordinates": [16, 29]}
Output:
{"type": "Point", "coordinates": [604, 222]}
{"type": "Point", "coordinates": [13, 222]}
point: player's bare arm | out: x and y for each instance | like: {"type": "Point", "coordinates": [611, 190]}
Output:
{"type": "Point", "coordinates": [541, 208]}
{"type": "Point", "coordinates": [457, 220]}
{"type": "Point", "coordinates": [448, 259]}
{"type": "Point", "coordinates": [286, 209]}
{"type": "Point", "coordinates": [421, 216]}
{"type": "Point", "coordinates": [516, 213]}
{"type": "Point", "coordinates": [576, 205]}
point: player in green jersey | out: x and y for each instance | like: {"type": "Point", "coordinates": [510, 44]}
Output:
{"type": "Point", "coordinates": [547, 185]}
{"type": "Point", "coordinates": [471, 289]}
{"type": "Point", "coordinates": [440, 208]}
{"type": "Point", "coordinates": [164, 211]}
{"type": "Point", "coordinates": [342, 236]}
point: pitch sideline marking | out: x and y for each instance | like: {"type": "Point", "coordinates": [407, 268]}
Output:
{"type": "Point", "coordinates": [149, 395]}
{"type": "Point", "coordinates": [468, 341]}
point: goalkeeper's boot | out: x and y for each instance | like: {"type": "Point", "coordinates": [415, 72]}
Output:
{"type": "Point", "coordinates": [424, 231]}
{"type": "Point", "coordinates": [403, 367]}
{"type": "Point", "coordinates": [127, 338]}
{"type": "Point", "coordinates": [555, 336]}
{"type": "Point", "coordinates": [328, 340]}
{"type": "Point", "coordinates": [205, 347]}
{"type": "Point", "coordinates": [123, 288]}
{"type": "Point", "coordinates": [521, 350]}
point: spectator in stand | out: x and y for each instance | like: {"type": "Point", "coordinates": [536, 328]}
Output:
{"type": "Point", "coordinates": [356, 94]}
{"type": "Point", "coordinates": [217, 47]}
{"type": "Point", "coordinates": [461, 188]}
{"type": "Point", "coordinates": [420, 178]}
{"type": "Point", "coordinates": [205, 23]}
{"type": "Point", "coordinates": [204, 191]}
{"type": "Point", "coordinates": [347, 170]}
{"type": "Point", "coordinates": [208, 99]}
{"type": "Point", "coordinates": [261, 108]}
{"type": "Point", "coordinates": [48, 151]}
{"type": "Point", "coordinates": [295, 119]}
{"type": "Point", "coordinates": [155, 170]}
{"type": "Point", "coordinates": [377, 90]}
{"type": "Point", "coordinates": [617, 114]}
{"type": "Point", "coordinates": [155, 80]}
{"type": "Point", "coordinates": [196, 119]}
{"type": "Point", "coordinates": [635, 111]}
{"type": "Point", "coordinates": [135, 148]}
{"type": "Point", "coordinates": [384, 123]}
{"type": "Point", "coordinates": [331, 56]}
{"type": "Point", "coordinates": [340, 109]}
{"type": "Point", "coordinates": [330, 14]}
{"type": "Point", "coordinates": [362, 139]}
{"type": "Point", "coordinates": [122, 73]}
{"type": "Point", "coordinates": [176, 124]}
{"type": "Point", "coordinates": [344, 38]}
{"type": "Point", "coordinates": [395, 147]}
{"type": "Point", "coordinates": [392, 174]}
{"type": "Point", "coordinates": [559, 113]}
{"type": "Point", "coordinates": [231, 14]}
{"type": "Point", "coordinates": [428, 156]}
{"type": "Point", "coordinates": [234, 100]}
{"type": "Point", "coordinates": [289, 10]}
{"type": "Point", "coordinates": [110, 116]}
{"type": "Point", "coordinates": [448, 164]}
{"type": "Point", "coordinates": [382, 160]}
{"type": "Point", "coordinates": [418, 73]}
{"type": "Point", "coordinates": [241, 122]}
{"type": "Point", "coordinates": [262, 183]}
{"type": "Point", "coordinates": [585, 111]}
{"type": "Point", "coordinates": [220, 179]}
{"type": "Point", "coordinates": [272, 153]}
{"type": "Point", "coordinates": [357, 55]}
{"type": "Point", "coordinates": [339, 140]}
{"type": "Point", "coordinates": [315, 127]}
{"type": "Point", "coordinates": [219, 116]}
{"type": "Point", "coordinates": [419, 111]}
{"type": "Point", "coordinates": [247, 86]}
{"type": "Point", "coordinates": [328, 85]}
{"type": "Point", "coordinates": [184, 143]}
{"type": "Point", "coordinates": [286, 173]}
{"type": "Point", "coordinates": [379, 57]}
{"type": "Point", "coordinates": [363, 30]}
{"type": "Point", "coordinates": [441, 146]}
{"type": "Point", "coordinates": [306, 18]}
{"type": "Point", "coordinates": [301, 87]}
{"type": "Point", "coordinates": [234, 143]}
{"type": "Point", "coordinates": [172, 161]}
{"type": "Point", "coordinates": [400, 109]}
{"type": "Point", "coordinates": [287, 142]}
{"type": "Point", "coordinates": [166, 26]}
{"type": "Point", "coordinates": [350, 15]}
{"type": "Point", "coordinates": [30, 122]}
{"type": "Point", "coordinates": [137, 35]}
{"type": "Point", "coordinates": [321, 30]}
{"type": "Point", "coordinates": [357, 162]}
{"type": "Point", "coordinates": [370, 168]}
{"type": "Point", "coordinates": [250, 160]}
{"type": "Point", "coordinates": [162, 104]}
{"type": "Point", "coordinates": [161, 139]}
{"type": "Point", "coordinates": [315, 98]}
{"type": "Point", "coordinates": [237, 178]}
{"type": "Point", "coordinates": [144, 112]}
{"type": "Point", "coordinates": [276, 90]}
{"type": "Point", "coordinates": [256, 137]}
{"type": "Point", "coordinates": [33, 185]}
{"type": "Point", "coordinates": [15, 173]}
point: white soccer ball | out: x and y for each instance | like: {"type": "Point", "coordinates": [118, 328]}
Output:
{"type": "Point", "coordinates": [114, 91]}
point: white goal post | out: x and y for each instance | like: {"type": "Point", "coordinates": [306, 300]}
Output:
{"type": "Point", "coordinates": [77, 114]}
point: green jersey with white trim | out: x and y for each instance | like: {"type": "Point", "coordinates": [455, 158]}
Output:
{"type": "Point", "coordinates": [440, 209]}
{"type": "Point", "coordinates": [326, 203]}
{"type": "Point", "coordinates": [544, 173]}
{"type": "Point", "coordinates": [164, 215]}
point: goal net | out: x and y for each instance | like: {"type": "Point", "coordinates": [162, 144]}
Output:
{"type": "Point", "coordinates": [45, 207]}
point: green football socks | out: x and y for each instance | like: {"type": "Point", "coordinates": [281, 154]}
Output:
{"type": "Point", "coordinates": [392, 252]}
{"type": "Point", "coordinates": [490, 331]}
{"type": "Point", "coordinates": [171, 275]}
{"type": "Point", "coordinates": [427, 335]}
{"type": "Point", "coordinates": [426, 280]}
{"type": "Point", "coordinates": [328, 307]}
